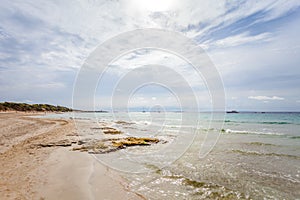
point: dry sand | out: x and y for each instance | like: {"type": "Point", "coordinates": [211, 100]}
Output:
{"type": "Point", "coordinates": [29, 171]}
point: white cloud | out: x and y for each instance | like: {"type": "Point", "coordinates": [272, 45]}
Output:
{"type": "Point", "coordinates": [51, 85]}
{"type": "Point", "coordinates": [220, 16]}
{"type": "Point", "coordinates": [153, 5]}
{"type": "Point", "coordinates": [264, 98]}
{"type": "Point", "coordinates": [139, 58]}
{"type": "Point", "coordinates": [269, 59]}
{"type": "Point", "coordinates": [241, 39]}
{"type": "Point", "coordinates": [4, 55]}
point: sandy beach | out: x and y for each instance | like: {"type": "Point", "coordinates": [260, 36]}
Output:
{"type": "Point", "coordinates": [36, 163]}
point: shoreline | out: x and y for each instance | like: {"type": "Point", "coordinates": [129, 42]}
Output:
{"type": "Point", "coordinates": [47, 158]}
{"type": "Point", "coordinates": [32, 172]}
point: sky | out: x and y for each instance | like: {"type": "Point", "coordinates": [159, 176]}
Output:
{"type": "Point", "coordinates": [254, 45]}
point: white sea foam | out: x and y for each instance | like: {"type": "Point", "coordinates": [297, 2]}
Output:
{"type": "Point", "coordinates": [252, 132]}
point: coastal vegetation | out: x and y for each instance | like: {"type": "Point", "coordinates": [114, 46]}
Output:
{"type": "Point", "coordinates": [11, 106]}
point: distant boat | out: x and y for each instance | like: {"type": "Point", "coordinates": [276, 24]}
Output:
{"type": "Point", "coordinates": [233, 111]}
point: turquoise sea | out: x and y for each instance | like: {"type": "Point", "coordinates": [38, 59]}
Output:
{"type": "Point", "coordinates": [241, 156]}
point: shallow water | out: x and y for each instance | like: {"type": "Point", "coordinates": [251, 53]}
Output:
{"type": "Point", "coordinates": [257, 155]}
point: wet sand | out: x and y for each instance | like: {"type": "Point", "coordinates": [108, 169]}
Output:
{"type": "Point", "coordinates": [32, 170]}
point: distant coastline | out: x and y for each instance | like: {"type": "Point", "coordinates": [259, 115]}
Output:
{"type": "Point", "coordinates": [91, 111]}
{"type": "Point", "coordinates": [24, 107]}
